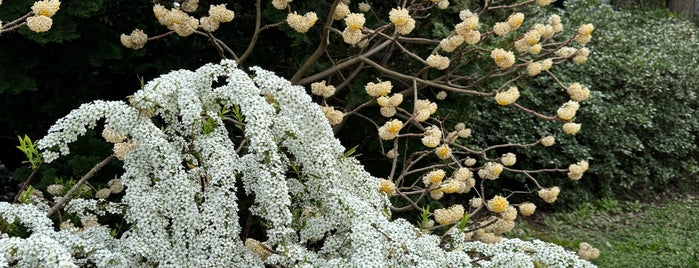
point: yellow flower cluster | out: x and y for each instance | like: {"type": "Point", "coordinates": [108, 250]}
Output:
{"type": "Point", "coordinates": [441, 95]}
{"type": "Point", "coordinates": [334, 116]}
{"type": "Point", "coordinates": [443, 151]}
{"type": "Point", "coordinates": [527, 209]}
{"type": "Point", "coordinates": [423, 110]}
{"type": "Point", "coordinates": [501, 28]}
{"type": "Point", "coordinates": [503, 58]}
{"type": "Point", "coordinates": [136, 40]}
{"type": "Point", "coordinates": [462, 131]}
{"type": "Point", "coordinates": [364, 7]}
{"type": "Point", "coordinates": [453, 186]}
{"type": "Point", "coordinates": [549, 195]}
{"type": "Point", "coordinates": [378, 89]}
{"type": "Point", "coordinates": [39, 24]}
{"type": "Point", "coordinates": [507, 97]}
{"type": "Point", "coordinates": [281, 4]}
{"type": "Point", "coordinates": [575, 171]}
{"type": "Point", "coordinates": [353, 32]}
{"type": "Point", "coordinates": [548, 141]}
{"type": "Point", "coordinates": [490, 170]}
{"type": "Point", "coordinates": [449, 215]}
{"type": "Point", "coordinates": [189, 6]}
{"type": "Point", "coordinates": [450, 44]}
{"type": "Point", "coordinates": [475, 202]}
{"type": "Point", "coordinates": [432, 136]}
{"type": "Point", "coordinates": [498, 204]}
{"type": "Point", "coordinates": [510, 214]}
{"type": "Point", "coordinates": [402, 20]}
{"type": "Point", "coordinates": [46, 8]}
{"type": "Point", "coordinates": [529, 42]}
{"type": "Point", "coordinates": [300, 23]}
{"type": "Point", "coordinates": [443, 4]}
{"type": "Point", "coordinates": [577, 92]}
{"type": "Point", "coordinates": [220, 13]}
{"type": "Point", "coordinates": [341, 11]}
{"type": "Point", "coordinates": [387, 186]}
{"type": "Point", "coordinates": [515, 20]}
{"type": "Point", "coordinates": [434, 177]}
{"type": "Point", "coordinates": [321, 89]}
{"type": "Point", "coordinates": [437, 61]}
{"type": "Point", "coordinates": [584, 33]}
{"type": "Point", "coordinates": [508, 159]}
{"type": "Point", "coordinates": [534, 68]}
{"type": "Point", "coordinates": [571, 128]}
{"type": "Point", "coordinates": [176, 20]}
{"type": "Point", "coordinates": [544, 3]}
{"type": "Point", "coordinates": [469, 161]}
{"type": "Point", "coordinates": [555, 22]}
{"type": "Point", "coordinates": [588, 252]}
{"type": "Point", "coordinates": [500, 227]}
{"type": "Point", "coordinates": [112, 136]}
{"type": "Point", "coordinates": [581, 55]}
{"type": "Point", "coordinates": [390, 129]}
{"type": "Point", "coordinates": [565, 52]}
{"type": "Point", "coordinates": [567, 110]}
{"type": "Point", "coordinates": [124, 148]}
{"type": "Point", "coordinates": [388, 105]}
{"type": "Point", "coordinates": [258, 248]}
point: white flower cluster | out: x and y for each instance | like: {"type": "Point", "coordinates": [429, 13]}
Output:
{"type": "Point", "coordinates": [187, 215]}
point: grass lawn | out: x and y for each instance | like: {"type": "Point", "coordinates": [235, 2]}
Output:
{"type": "Point", "coordinates": [629, 234]}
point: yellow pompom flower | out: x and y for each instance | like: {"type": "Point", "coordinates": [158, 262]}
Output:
{"type": "Point", "coordinates": [503, 58]}
{"type": "Point", "coordinates": [387, 186]}
{"type": "Point", "coordinates": [450, 186]}
{"type": "Point", "coordinates": [510, 213]}
{"type": "Point", "coordinates": [136, 40]}
{"type": "Point", "coordinates": [490, 171]}
{"type": "Point", "coordinates": [378, 89]}
{"type": "Point", "coordinates": [472, 37]}
{"type": "Point", "coordinates": [498, 204]}
{"type": "Point", "coordinates": [352, 37]}
{"type": "Point", "coordinates": [438, 62]}
{"type": "Point", "coordinates": [507, 97]}
{"type": "Point", "coordinates": [46, 8]}
{"type": "Point", "coordinates": [390, 129]}
{"type": "Point", "coordinates": [548, 141]}
{"type": "Point", "coordinates": [508, 159]}
{"type": "Point", "coordinates": [577, 92]}
{"type": "Point", "coordinates": [469, 161]}
{"type": "Point", "coordinates": [451, 43]}
{"type": "Point", "coordinates": [208, 24]}
{"type": "Point", "coordinates": [281, 4]}
{"type": "Point", "coordinates": [588, 252]}
{"type": "Point", "coordinates": [515, 20]}
{"type": "Point", "coordinates": [549, 195]}
{"type": "Point", "coordinates": [555, 22]}
{"type": "Point", "coordinates": [462, 174]}
{"type": "Point", "coordinates": [502, 28]}
{"type": "Point", "coordinates": [469, 24]}
{"type": "Point", "coordinates": [534, 68]}
{"type": "Point", "coordinates": [401, 20]}
{"type": "Point", "coordinates": [527, 209]}
{"type": "Point", "coordinates": [221, 13]}
{"type": "Point", "coordinates": [39, 24]}
{"type": "Point", "coordinates": [586, 29]}
{"type": "Point", "coordinates": [124, 148]}
{"type": "Point", "coordinates": [433, 177]}
{"type": "Point", "coordinates": [112, 136]}
{"type": "Point", "coordinates": [544, 3]}
{"type": "Point", "coordinates": [443, 151]}
{"type": "Point", "coordinates": [334, 116]}
{"type": "Point", "coordinates": [321, 89]}
{"type": "Point", "coordinates": [355, 21]}
{"type": "Point", "coordinates": [475, 202]}
{"type": "Point", "coordinates": [571, 128]}
{"type": "Point", "coordinates": [341, 11]}
{"type": "Point", "coordinates": [547, 64]}
{"type": "Point", "coordinates": [581, 56]}
{"type": "Point", "coordinates": [300, 23]}
{"type": "Point", "coordinates": [567, 110]}
{"type": "Point", "coordinates": [364, 7]}
{"type": "Point", "coordinates": [449, 215]}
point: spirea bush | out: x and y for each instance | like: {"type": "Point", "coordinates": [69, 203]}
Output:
{"type": "Point", "coordinates": [186, 139]}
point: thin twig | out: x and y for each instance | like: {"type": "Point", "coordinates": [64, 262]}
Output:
{"type": "Point", "coordinates": [75, 187]}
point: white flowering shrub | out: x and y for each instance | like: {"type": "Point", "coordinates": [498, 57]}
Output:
{"type": "Point", "coordinates": [192, 136]}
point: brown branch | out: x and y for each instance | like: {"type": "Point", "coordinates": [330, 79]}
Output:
{"type": "Point", "coordinates": [75, 187]}
{"type": "Point", "coordinates": [319, 50]}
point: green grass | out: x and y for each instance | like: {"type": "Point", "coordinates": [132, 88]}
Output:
{"type": "Point", "coordinates": [664, 233]}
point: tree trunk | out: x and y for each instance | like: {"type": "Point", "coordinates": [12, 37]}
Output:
{"type": "Point", "coordinates": [685, 8]}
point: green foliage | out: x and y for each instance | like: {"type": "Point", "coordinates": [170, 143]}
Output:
{"type": "Point", "coordinates": [30, 151]}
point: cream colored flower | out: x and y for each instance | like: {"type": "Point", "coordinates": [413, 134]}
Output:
{"type": "Point", "coordinates": [467, 25]}
{"type": "Point", "coordinates": [535, 49]}
{"type": "Point", "coordinates": [441, 95]}
{"type": "Point", "coordinates": [388, 111]}
{"type": "Point", "coordinates": [437, 194]}
{"type": "Point", "coordinates": [544, 2]}
{"type": "Point", "coordinates": [281, 4]}
{"type": "Point", "coordinates": [534, 68]}
{"type": "Point", "coordinates": [39, 24]}
{"type": "Point", "coordinates": [355, 21]}
{"type": "Point", "coordinates": [507, 97]}
{"type": "Point", "coordinates": [115, 186]}
{"type": "Point", "coordinates": [258, 248]}
{"type": "Point", "coordinates": [221, 13]}
{"type": "Point", "coordinates": [502, 28]}
{"type": "Point", "coordinates": [567, 110]}
{"type": "Point", "coordinates": [449, 215]}
{"type": "Point", "coordinates": [437, 61]}
{"type": "Point", "coordinates": [470, 161]}
{"type": "Point", "coordinates": [341, 11]}
{"type": "Point", "coordinates": [364, 7]}
{"type": "Point", "coordinates": [46, 8]}
{"type": "Point", "coordinates": [334, 116]}
{"type": "Point", "coordinates": [124, 148]}
{"type": "Point", "coordinates": [472, 37]}
{"type": "Point", "coordinates": [208, 24]}
{"type": "Point", "coordinates": [387, 186]}
{"type": "Point", "coordinates": [103, 193]}
{"type": "Point", "coordinates": [549, 195]}
{"type": "Point", "coordinates": [497, 204]}
{"type": "Point", "coordinates": [401, 20]}
{"type": "Point", "coordinates": [112, 136]}
{"type": "Point", "coordinates": [300, 23]}
{"type": "Point", "coordinates": [527, 209]}
{"type": "Point", "coordinates": [393, 153]}
{"type": "Point", "coordinates": [586, 29]}
{"type": "Point", "coordinates": [490, 171]}
{"type": "Point", "coordinates": [352, 37]}
{"type": "Point", "coordinates": [462, 174]}
{"type": "Point", "coordinates": [390, 129]}
{"type": "Point", "coordinates": [451, 186]}
{"type": "Point", "coordinates": [547, 64]}
{"type": "Point", "coordinates": [577, 92]}
{"type": "Point", "coordinates": [423, 109]}
{"type": "Point", "coordinates": [434, 177]}
{"type": "Point", "coordinates": [571, 128]}
{"type": "Point", "coordinates": [55, 189]}
{"type": "Point", "coordinates": [508, 159]}
{"type": "Point", "coordinates": [443, 151]}
{"type": "Point", "coordinates": [183, 24]}
{"type": "Point", "coordinates": [321, 89]}
{"type": "Point", "coordinates": [475, 202]}
{"type": "Point", "coordinates": [581, 56]}
{"type": "Point", "coordinates": [510, 213]}
{"type": "Point", "coordinates": [555, 22]}
{"type": "Point", "coordinates": [548, 141]}
{"type": "Point", "coordinates": [378, 89]}
{"type": "Point", "coordinates": [443, 4]}
{"type": "Point", "coordinates": [565, 52]}
{"type": "Point", "coordinates": [451, 43]}
{"type": "Point", "coordinates": [503, 58]}
{"type": "Point", "coordinates": [190, 6]}
{"type": "Point", "coordinates": [515, 20]}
